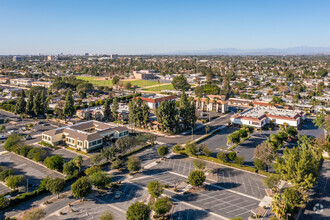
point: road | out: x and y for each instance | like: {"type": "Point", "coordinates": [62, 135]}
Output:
{"type": "Point", "coordinates": [198, 132]}
{"type": "Point", "coordinates": [318, 206]}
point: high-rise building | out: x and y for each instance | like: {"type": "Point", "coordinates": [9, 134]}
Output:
{"type": "Point", "coordinates": [17, 58]}
{"type": "Point", "coordinates": [51, 58]}
{"type": "Point", "coordinates": [114, 56]}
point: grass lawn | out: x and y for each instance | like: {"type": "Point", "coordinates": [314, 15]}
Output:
{"type": "Point", "coordinates": [138, 83]}
{"type": "Point", "coordinates": [160, 88]}
{"type": "Point", "coordinates": [143, 83]}
{"type": "Point", "coordinates": [94, 80]}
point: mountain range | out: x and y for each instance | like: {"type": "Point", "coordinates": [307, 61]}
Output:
{"type": "Point", "coordinates": [266, 51]}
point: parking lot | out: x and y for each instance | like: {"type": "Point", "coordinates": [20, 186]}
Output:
{"type": "Point", "coordinates": [32, 171]}
{"type": "Point", "coordinates": [219, 139]}
{"type": "Point", "coordinates": [4, 188]}
{"type": "Point", "coordinates": [230, 194]}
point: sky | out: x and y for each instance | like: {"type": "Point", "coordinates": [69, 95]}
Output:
{"type": "Point", "coordinates": [159, 26]}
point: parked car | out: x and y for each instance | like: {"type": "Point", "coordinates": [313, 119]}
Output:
{"type": "Point", "coordinates": [118, 194]}
{"type": "Point", "coordinates": [28, 137]}
{"type": "Point", "coordinates": [2, 137]}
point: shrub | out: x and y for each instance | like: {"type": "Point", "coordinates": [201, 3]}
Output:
{"type": "Point", "coordinates": [271, 182]}
{"type": "Point", "coordinates": [239, 160]}
{"type": "Point", "coordinates": [94, 169]}
{"type": "Point", "coordinates": [176, 148]}
{"type": "Point", "coordinates": [243, 133]}
{"type": "Point", "coordinates": [34, 214]}
{"type": "Point", "coordinates": [259, 164]}
{"type": "Point", "coordinates": [54, 162]}
{"type": "Point", "coordinates": [6, 173]}
{"type": "Point", "coordinates": [117, 164]}
{"type": "Point", "coordinates": [37, 154]}
{"type": "Point", "coordinates": [24, 150]}
{"type": "Point", "coordinates": [196, 178]}
{"type": "Point", "coordinates": [221, 156]}
{"type": "Point", "coordinates": [162, 150]}
{"type": "Point", "coordinates": [15, 181]}
{"type": "Point", "coordinates": [191, 149]}
{"type": "Point", "coordinates": [231, 155]}
{"type": "Point", "coordinates": [12, 141]}
{"type": "Point", "coordinates": [199, 164]}
{"type": "Point", "coordinates": [134, 164]}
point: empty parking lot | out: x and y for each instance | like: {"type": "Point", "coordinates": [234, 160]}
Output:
{"type": "Point", "coordinates": [31, 170]}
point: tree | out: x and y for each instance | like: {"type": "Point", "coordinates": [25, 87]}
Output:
{"type": "Point", "coordinates": [291, 131]}
{"type": "Point", "coordinates": [155, 188]}
{"type": "Point", "coordinates": [96, 159]}
{"type": "Point", "coordinates": [78, 161]}
{"type": "Point", "coordinates": [94, 169]}
{"type": "Point", "coordinates": [2, 128]}
{"type": "Point", "coordinates": [162, 205]}
{"type": "Point", "coordinates": [199, 91]}
{"type": "Point", "coordinates": [54, 162]}
{"type": "Point", "coordinates": [37, 105]}
{"type": "Point", "coordinates": [266, 153]}
{"type": "Point", "coordinates": [21, 104]}
{"type": "Point", "coordinates": [180, 83]}
{"type": "Point", "coordinates": [117, 164]}
{"type": "Point", "coordinates": [108, 153]}
{"type": "Point", "coordinates": [127, 85]}
{"type": "Point", "coordinates": [221, 156]}
{"type": "Point", "coordinates": [190, 149]}
{"type": "Point", "coordinates": [295, 197]}
{"type": "Point", "coordinates": [29, 105]}
{"type": "Point", "coordinates": [3, 201]}
{"type": "Point", "coordinates": [107, 111]}
{"type": "Point", "coordinates": [162, 150]}
{"type": "Point", "coordinates": [115, 80]}
{"type": "Point", "coordinates": [231, 155]}
{"type": "Point", "coordinates": [69, 109]}
{"type": "Point", "coordinates": [15, 181]}
{"type": "Point", "coordinates": [239, 160]}
{"type": "Point", "coordinates": [199, 164]}
{"type": "Point", "coordinates": [323, 121]}
{"type": "Point", "coordinates": [205, 150]}
{"type": "Point", "coordinates": [81, 188]}
{"type": "Point", "coordinates": [34, 214]}
{"type": "Point", "coordinates": [279, 206]}
{"type": "Point", "coordinates": [259, 164]}
{"type": "Point", "coordinates": [196, 178]}
{"type": "Point", "coordinates": [299, 166]}
{"type": "Point", "coordinates": [55, 186]}
{"type": "Point", "coordinates": [12, 141]}
{"type": "Point", "coordinates": [100, 179]}
{"type": "Point", "coordinates": [114, 109]}
{"type": "Point", "coordinates": [236, 137]}
{"type": "Point", "coordinates": [271, 182]}
{"type": "Point", "coordinates": [133, 164]}
{"type": "Point", "coordinates": [138, 211]}
{"type": "Point", "coordinates": [187, 112]}
{"type": "Point", "coordinates": [107, 215]}
{"type": "Point", "coordinates": [207, 129]}
{"type": "Point", "coordinates": [167, 116]}
{"type": "Point", "coordinates": [69, 168]}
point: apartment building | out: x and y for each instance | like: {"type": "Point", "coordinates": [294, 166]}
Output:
{"type": "Point", "coordinates": [214, 103]}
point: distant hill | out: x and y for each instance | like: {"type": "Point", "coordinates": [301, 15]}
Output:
{"type": "Point", "coordinates": [266, 51]}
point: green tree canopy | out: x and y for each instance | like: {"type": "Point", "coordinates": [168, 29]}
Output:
{"type": "Point", "coordinates": [138, 211]}
{"type": "Point", "coordinates": [155, 188]}
{"type": "Point", "coordinates": [81, 188]}
{"type": "Point", "coordinates": [196, 178]}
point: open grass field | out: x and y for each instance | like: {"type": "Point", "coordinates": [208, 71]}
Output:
{"type": "Point", "coordinates": [96, 80]}
{"type": "Point", "coordinates": [160, 88]}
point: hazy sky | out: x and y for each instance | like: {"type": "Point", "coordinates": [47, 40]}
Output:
{"type": "Point", "coordinates": [160, 26]}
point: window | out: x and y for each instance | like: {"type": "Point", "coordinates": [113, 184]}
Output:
{"type": "Point", "coordinates": [255, 123]}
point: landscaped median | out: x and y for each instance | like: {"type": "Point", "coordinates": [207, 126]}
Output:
{"type": "Point", "coordinates": [225, 163]}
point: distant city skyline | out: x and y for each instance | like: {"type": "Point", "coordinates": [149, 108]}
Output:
{"type": "Point", "coordinates": [160, 27]}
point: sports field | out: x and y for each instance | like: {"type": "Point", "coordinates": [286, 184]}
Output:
{"type": "Point", "coordinates": [99, 81]}
{"type": "Point", "coordinates": [159, 88]}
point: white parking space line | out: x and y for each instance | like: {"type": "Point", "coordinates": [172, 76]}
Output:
{"type": "Point", "coordinates": [222, 188]}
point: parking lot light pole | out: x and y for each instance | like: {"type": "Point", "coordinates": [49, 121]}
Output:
{"type": "Point", "coordinates": [287, 215]}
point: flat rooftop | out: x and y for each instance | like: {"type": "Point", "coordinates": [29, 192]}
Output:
{"type": "Point", "coordinates": [259, 112]}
